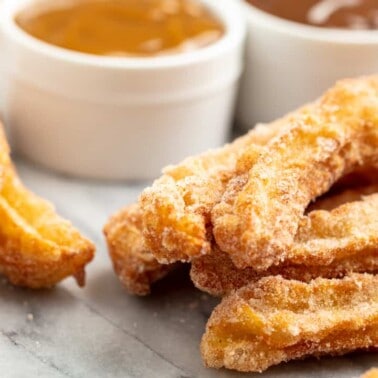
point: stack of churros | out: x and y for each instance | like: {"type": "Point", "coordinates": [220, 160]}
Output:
{"type": "Point", "coordinates": [282, 223]}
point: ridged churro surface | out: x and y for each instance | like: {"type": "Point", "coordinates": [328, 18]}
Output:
{"type": "Point", "coordinates": [258, 217]}
{"type": "Point", "coordinates": [38, 248]}
{"type": "Point", "coordinates": [133, 263]}
{"type": "Point", "coordinates": [279, 320]}
{"type": "Point", "coordinates": [176, 208]}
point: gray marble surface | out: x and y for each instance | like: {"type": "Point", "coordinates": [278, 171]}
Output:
{"type": "Point", "coordinates": [101, 331]}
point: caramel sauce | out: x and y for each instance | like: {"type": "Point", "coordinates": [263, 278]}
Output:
{"type": "Point", "coordinates": [122, 27]}
{"type": "Point", "coordinates": [347, 14]}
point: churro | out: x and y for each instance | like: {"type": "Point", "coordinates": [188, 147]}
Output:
{"type": "Point", "coordinates": [37, 247]}
{"type": "Point", "coordinates": [279, 320]}
{"type": "Point", "coordinates": [133, 263]}
{"type": "Point", "coordinates": [258, 217]}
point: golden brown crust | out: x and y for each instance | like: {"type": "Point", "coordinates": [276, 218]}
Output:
{"type": "Point", "coordinates": [216, 274]}
{"type": "Point", "coordinates": [258, 217]}
{"type": "Point", "coordinates": [176, 209]}
{"type": "Point", "coordinates": [37, 247]}
{"type": "Point", "coordinates": [328, 244]}
{"type": "Point", "coordinates": [327, 236]}
{"type": "Point", "coordinates": [279, 320]}
{"type": "Point", "coordinates": [134, 264]}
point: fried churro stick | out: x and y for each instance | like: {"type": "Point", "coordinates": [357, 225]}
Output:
{"type": "Point", "coordinates": [258, 217]}
{"type": "Point", "coordinates": [134, 264]}
{"type": "Point", "coordinates": [329, 244]}
{"type": "Point", "coordinates": [176, 209]}
{"type": "Point", "coordinates": [278, 320]}
{"type": "Point", "coordinates": [323, 237]}
{"type": "Point", "coordinates": [216, 274]}
{"type": "Point", "coordinates": [37, 247]}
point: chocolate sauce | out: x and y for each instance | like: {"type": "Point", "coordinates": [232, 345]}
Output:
{"type": "Point", "coordinates": [346, 14]}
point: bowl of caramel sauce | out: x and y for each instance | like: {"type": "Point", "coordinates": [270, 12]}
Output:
{"type": "Point", "coordinates": [128, 28]}
{"type": "Point", "coordinates": [117, 89]}
{"type": "Point", "coordinates": [298, 48]}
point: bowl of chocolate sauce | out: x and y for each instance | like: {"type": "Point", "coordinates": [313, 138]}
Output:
{"type": "Point", "coordinates": [298, 48]}
{"type": "Point", "coordinates": [344, 14]}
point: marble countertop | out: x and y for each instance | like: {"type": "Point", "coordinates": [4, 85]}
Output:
{"type": "Point", "coordinates": [101, 331]}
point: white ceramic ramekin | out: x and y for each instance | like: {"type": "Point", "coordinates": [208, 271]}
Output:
{"type": "Point", "coordinates": [119, 118]}
{"type": "Point", "coordinates": [288, 64]}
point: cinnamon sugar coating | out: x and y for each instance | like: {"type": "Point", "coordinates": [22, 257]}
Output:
{"type": "Point", "coordinates": [176, 208]}
{"type": "Point", "coordinates": [278, 320]}
{"type": "Point", "coordinates": [328, 244]}
{"type": "Point", "coordinates": [133, 263]}
{"type": "Point", "coordinates": [259, 214]}
{"type": "Point", "coordinates": [38, 248]}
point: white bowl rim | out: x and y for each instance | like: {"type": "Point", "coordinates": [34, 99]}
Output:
{"type": "Point", "coordinates": [304, 31]}
{"type": "Point", "coordinates": [229, 13]}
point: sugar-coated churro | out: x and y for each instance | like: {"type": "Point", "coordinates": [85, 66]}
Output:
{"type": "Point", "coordinates": [258, 217]}
{"type": "Point", "coordinates": [134, 264]}
{"type": "Point", "coordinates": [279, 320]}
{"type": "Point", "coordinates": [37, 247]}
